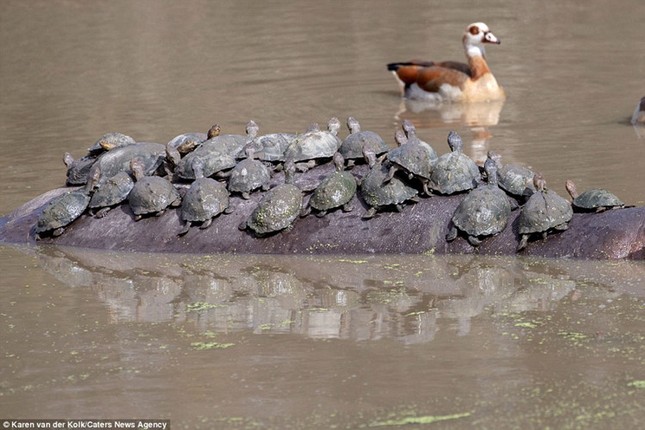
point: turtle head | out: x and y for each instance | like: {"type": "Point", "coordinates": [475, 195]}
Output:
{"type": "Point", "coordinates": [214, 131]}
{"type": "Point", "coordinates": [490, 167]}
{"type": "Point", "coordinates": [252, 129]}
{"type": "Point", "coordinates": [93, 178]}
{"type": "Point", "coordinates": [138, 168]}
{"type": "Point", "coordinates": [68, 159]}
{"type": "Point", "coordinates": [571, 188]}
{"type": "Point", "coordinates": [454, 142]}
{"type": "Point", "coordinates": [289, 171]}
{"type": "Point", "coordinates": [197, 165]}
{"type": "Point", "coordinates": [400, 138]}
{"type": "Point", "coordinates": [492, 155]}
{"type": "Point", "coordinates": [539, 182]}
{"type": "Point", "coordinates": [339, 161]}
{"type": "Point", "coordinates": [409, 128]}
{"type": "Point", "coordinates": [333, 125]}
{"type": "Point", "coordinates": [353, 125]}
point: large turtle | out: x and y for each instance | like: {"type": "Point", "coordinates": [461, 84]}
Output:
{"type": "Point", "coordinates": [378, 194]}
{"type": "Point", "coordinates": [186, 142]}
{"type": "Point", "coordinates": [248, 175]}
{"type": "Point", "coordinates": [111, 192]}
{"type": "Point", "coordinates": [272, 147]}
{"type": "Point", "coordinates": [216, 159]}
{"type": "Point", "coordinates": [151, 195]}
{"type": "Point", "coordinates": [234, 144]}
{"type": "Point", "coordinates": [543, 212]}
{"type": "Point", "coordinates": [359, 141]}
{"type": "Point", "coordinates": [110, 141]}
{"type": "Point", "coordinates": [336, 190]}
{"type": "Point", "coordinates": [150, 155]}
{"type": "Point", "coordinates": [454, 172]}
{"type": "Point", "coordinates": [279, 207]}
{"type": "Point", "coordinates": [65, 209]}
{"type": "Point", "coordinates": [411, 134]}
{"type": "Point", "coordinates": [483, 212]}
{"type": "Point", "coordinates": [314, 145]}
{"type": "Point", "coordinates": [205, 199]}
{"type": "Point", "coordinates": [595, 200]}
{"type": "Point", "coordinates": [515, 179]}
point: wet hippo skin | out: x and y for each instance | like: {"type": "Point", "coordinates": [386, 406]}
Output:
{"type": "Point", "coordinates": [420, 228]}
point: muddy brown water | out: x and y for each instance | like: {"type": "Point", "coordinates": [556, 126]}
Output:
{"type": "Point", "coordinates": [304, 342]}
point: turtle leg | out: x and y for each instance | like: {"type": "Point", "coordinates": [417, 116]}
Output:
{"type": "Point", "coordinates": [161, 212]}
{"type": "Point", "coordinates": [524, 240]}
{"type": "Point", "coordinates": [206, 224]}
{"type": "Point", "coordinates": [452, 234]}
{"type": "Point", "coordinates": [370, 213]}
{"type": "Point", "coordinates": [426, 190]}
{"type": "Point", "coordinates": [348, 207]}
{"type": "Point", "coordinates": [102, 212]}
{"type": "Point", "coordinates": [186, 229]}
{"type": "Point", "coordinates": [562, 227]}
{"type": "Point", "coordinates": [474, 240]}
{"type": "Point", "coordinates": [399, 207]}
{"type": "Point", "coordinates": [228, 210]}
{"type": "Point", "coordinates": [246, 195]}
{"type": "Point", "coordinates": [175, 203]}
{"type": "Point", "coordinates": [242, 226]}
{"type": "Point", "coordinates": [544, 235]}
{"type": "Point", "coordinates": [58, 231]}
{"type": "Point", "coordinates": [306, 210]}
{"type": "Point", "coordinates": [321, 214]}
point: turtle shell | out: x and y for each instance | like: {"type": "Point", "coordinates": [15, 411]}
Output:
{"type": "Point", "coordinates": [187, 142]}
{"type": "Point", "coordinates": [152, 194]}
{"type": "Point", "coordinates": [248, 175]}
{"type": "Point", "coordinates": [543, 210]}
{"type": "Point", "coordinates": [415, 158]}
{"type": "Point", "coordinates": [113, 191]}
{"type": "Point", "coordinates": [334, 191]}
{"type": "Point", "coordinates": [353, 146]}
{"type": "Point", "coordinates": [377, 194]}
{"type": "Point", "coordinates": [596, 199]}
{"type": "Point", "coordinates": [516, 180]}
{"type": "Point", "coordinates": [279, 207]}
{"type": "Point", "coordinates": [271, 147]}
{"type": "Point", "coordinates": [454, 172]}
{"type": "Point", "coordinates": [205, 199]}
{"type": "Point", "coordinates": [313, 144]}
{"type": "Point", "coordinates": [118, 160]}
{"type": "Point", "coordinates": [483, 212]}
{"type": "Point", "coordinates": [110, 141]}
{"type": "Point", "coordinates": [215, 157]}
{"type": "Point", "coordinates": [62, 210]}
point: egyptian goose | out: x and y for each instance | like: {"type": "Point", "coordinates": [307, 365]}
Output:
{"type": "Point", "coordinates": [452, 81]}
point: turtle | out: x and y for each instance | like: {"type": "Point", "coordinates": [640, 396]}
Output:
{"type": "Point", "coordinates": [110, 193]}
{"type": "Point", "coordinates": [279, 207]}
{"type": "Point", "coordinates": [249, 175]}
{"type": "Point", "coordinates": [150, 155]}
{"type": "Point", "coordinates": [110, 141]}
{"type": "Point", "coordinates": [413, 158]}
{"type": "Point", "coordinates": [64, 209]}
{"type": "Point", "coordinates": [234, 144]}
{"type": "Point", "coordinates": [78, 170]}
{"type": "Point", "coordinates": [205, 199]}
{"type": "Point", "coordinates": [151, 195]}
{"type": "Point", "coordinates": [314, 144]}
{"type": "Point", "coordinates": [378, 194]}
{"type": "Point", "coordinates": [215, 156]}
{"type": "Point", "coordinates": [454, 172]}
{"type": "Point", "coordinates": [272, 147]}
{"type": "Point", "coordinates": [187, 142]}
{"type": "Point", "coordinates": [595, 200]}
{"type": "Point", "coordinates": [411, 134]}
{"type": "Point", "coordinates": [515, 179]}
{"type": "Point", "coordinates": [483, 212]}
{"type": "Point", "coordinates": [543, 212]}
{"type": "Point", "coordinates": [336, 190]}
{"type": "Point", "coordinates": [358, 141]}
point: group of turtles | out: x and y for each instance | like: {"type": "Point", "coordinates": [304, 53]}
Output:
{"type": "Point", "coordinates": [199, 172]}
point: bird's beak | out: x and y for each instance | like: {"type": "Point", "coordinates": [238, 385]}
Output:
{"type": "Point", "coordinates": [491, 38]}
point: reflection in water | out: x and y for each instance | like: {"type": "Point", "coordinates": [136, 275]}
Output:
{"type": "Point", "coordinates": [358, 299]}
{"type": "Point", "coordinates": [478, 117]}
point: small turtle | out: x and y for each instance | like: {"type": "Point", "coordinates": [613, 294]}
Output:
{"type": "Point", "coordinates": [272, 147]}
{"type": "Point", "coordinates": [249, 175]}
{"type": "Point", "coordinates": [279, 207]}
{"type": "Point", "coordinates": [187, 142]}
{"type": "Point", "coordinates": [111, 192]}
{"type": "Point", "coordinates": [78, 170]}
{"type": "Point", "coordinates": [354, 146]}
{"type": "Point", "coordinates": [234, 144]}
{"type": "Point", "coordinates": [544, 211]}
{"type": "Point", "coordinates": [65, 209]}
{"type": "Point", "coordinates": [110, 141]}
{"type": "Point", "coordinates": [516, 180]}
{"type": "Point", "coordinates": [596, 200]}
{"type": "Point", "coordinates": [314, 145]}
{"type": "Point", "coordinates": [483, 212]}
{"type": "Point", "coordinates": [411, 134]}
{"type": "Point", "coordinates": [336, 190]}
{"type": "Point", "coordinates": [151, 155]}
{"type": "Point", "coordinates": [413, 158]}
{"type": "Point", "coordinates": [454, 172]}
{"type": "Point", "coordinates": [151, 195]}
{"type": "Point", "coordinates": [378, 194]}
{"type": "Point", "coordinates": [205, 199]}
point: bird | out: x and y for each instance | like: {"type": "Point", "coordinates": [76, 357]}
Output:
{"type": "Point", "coordinates": [453, 81]}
